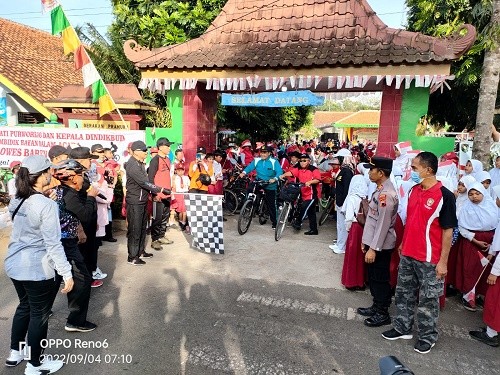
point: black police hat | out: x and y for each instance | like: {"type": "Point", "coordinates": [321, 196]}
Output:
{"type": "Point", "coordinates": [379, 162]}
{"type": "Point", "coordinates": [266, 149]}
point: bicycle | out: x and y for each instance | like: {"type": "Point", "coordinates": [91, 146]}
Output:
{"type": "Point", "coordinates": [290, 194]}
{"type": "Point", "coordinates": [255, 204]}
{"type": "Point", "coordinates": [325, 207]}
{"type": "Point", "coordinates": [235, 192]}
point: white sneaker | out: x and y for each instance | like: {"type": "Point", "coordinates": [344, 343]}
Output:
{"type": "Point", "coordinates": [47, 367]}
{"type": "Point", "coordinates": [98, 274]}
{"type": "Point", "coordinates": [15, 358]}
{"type": "Point", "coordinates": [336, 249]}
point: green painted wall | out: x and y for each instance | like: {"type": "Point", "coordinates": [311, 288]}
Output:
{"type": "Point", "coordinates": [174, 134]}
{"type": "Point", "coordinates": [414, 106]}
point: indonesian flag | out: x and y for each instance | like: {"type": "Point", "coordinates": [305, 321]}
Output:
{"type": "Point", "coordinates": [471, 297]}
{"type": "Point", "coordinates": [404, 147]}
{"type": "Point", "coordinates": [482, 258]}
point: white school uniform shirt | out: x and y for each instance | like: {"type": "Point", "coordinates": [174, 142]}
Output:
{"type": "Point", "coordinates": [177, 184]}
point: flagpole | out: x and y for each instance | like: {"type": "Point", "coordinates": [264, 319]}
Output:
{"type": "Point", "coordinates": [481, 275]}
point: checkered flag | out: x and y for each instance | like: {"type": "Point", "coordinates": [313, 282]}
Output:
{"type": "Point", "coordinates": [205, 220]}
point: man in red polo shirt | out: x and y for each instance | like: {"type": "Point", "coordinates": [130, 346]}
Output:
{"type": "Point", "coordinates": [310, 176]}
{"type": "Point", "coordinates": [431, 217]}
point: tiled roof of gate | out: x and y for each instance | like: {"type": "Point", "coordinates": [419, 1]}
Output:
{"type": "Point", "coordinates": [300, 33]}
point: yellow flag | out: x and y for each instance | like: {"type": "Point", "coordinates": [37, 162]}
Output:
{"type": "Point", "coordinates": [70, 40]}
{"type": "Point", "coordinates": [106, 105]}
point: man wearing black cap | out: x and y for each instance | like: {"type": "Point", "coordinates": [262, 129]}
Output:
{"type": "Point", "coordinates": [310, 176]}
{"type": "Point", "coordinates": [198, 170]}
{"type": "Point", "coordinates": [90, 247]}
{"type": "Point", "coordinates": [159, 173]}
{"type": "Point", "coordinates": [379, 239]}
{"type": "Point", "coordinates": [138, 189]}
{"type": "Point", "coordinates": [267, 169]}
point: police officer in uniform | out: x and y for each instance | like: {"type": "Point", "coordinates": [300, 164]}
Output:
{"type": "Point", "coordinates": [379, 240]}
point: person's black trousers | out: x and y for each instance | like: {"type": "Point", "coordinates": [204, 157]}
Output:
{"type": "Point", "coordinates": [79, 297]}
{"type": "Point", "coordinates": [161, 214]}
{"type": "Point", "coordinates": [271, 204]}
{"type": "Point", "coordinates": [308, 208]}
{"type": "Point", "coordinates": [90, 247]}
{"type": "Point", "coordinates": [378, 279]}
{"type": "Point", "coordinates": [32, 315]}
{"type": "Point", "coordinates": [137, 220]}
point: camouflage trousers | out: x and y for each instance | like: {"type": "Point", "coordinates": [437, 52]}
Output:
{"type": "Point", "coordinates": [417, 280]}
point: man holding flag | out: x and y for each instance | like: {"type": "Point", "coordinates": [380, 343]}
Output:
{"type": "Point", "coordinates": [431, 217]}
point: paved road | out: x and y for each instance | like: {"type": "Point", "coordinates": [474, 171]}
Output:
{"type": "Point", "coordinates": [262, 308]}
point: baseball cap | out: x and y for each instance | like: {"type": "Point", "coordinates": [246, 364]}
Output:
{"type": "Point", "coordinates": [81, 153]}
{"type": "Point", "coordinates": [201, 150]}
{"type": "Point", "coordinates": [35, 163]}
{"type": "Point", "coordinates": [97, 148]}
{"type": "Point", "coordinates": [305, 156]}
{"type": "Point", "coordinates": [138, 145]}
{"type": "Point", "coordinates": [56, 151]}
{"type": "Point", "coordinates": [266, 149]}
{"type": "Point", "coordinates": [14, 164]}
{"type": "Point", "coordinates": [163, 142]}
{"type": "Point", "coordinates": [294, 153]}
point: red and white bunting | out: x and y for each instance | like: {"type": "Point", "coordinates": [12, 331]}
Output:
{"type": "Point", "coordinates": [309, 81]}
{"type": "Point", "coordinates": [349, 81]}
{"type": "Point", "coordinates": [243, 84]}
{"type": "Point", "coordinates": [317, 80]}
{"type": "Point", "coordinates": [340, 82]}
{"type": "Point", "coordinates": [365, 80]}
{"type": "Point", "coordinates": [379, 79]}
{"type": "Point", "coordinates": [267, 80]}
{"type": "Point", "coordinates": [332, 81]}
{"type": "Point", "coordinates": [292, 81]}
{"type": "Point", "coordinates": [302, 83]}
{"type": "Point", "coordinates": [276, 81]}
{"type": "Point", "coordinates": [399, 80]}
{"type": "Point", "coordinates": [388, 80]}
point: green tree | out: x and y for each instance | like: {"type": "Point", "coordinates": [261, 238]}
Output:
{"type": "Point", "coordinates": [157, 23]}
{"type": "Point", "coordinates": [264, 124]}
{"type": "Point", "coordinates": [457, 107]}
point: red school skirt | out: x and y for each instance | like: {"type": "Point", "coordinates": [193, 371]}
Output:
{"type": "Point", "coordinates": [354, 268]}
{"type": "Point", "coordinates": [491, 312]}
{"type": "Point", "coordinates": [469, 264]}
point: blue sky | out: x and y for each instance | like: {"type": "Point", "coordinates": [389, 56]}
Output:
{"type": "Point", "coordinates": [98, 12]}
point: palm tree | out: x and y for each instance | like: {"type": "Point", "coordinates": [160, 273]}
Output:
{"type": "Point", "coordinates": [488, 90]}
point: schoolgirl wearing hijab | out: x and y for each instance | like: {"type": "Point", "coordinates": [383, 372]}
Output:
{"type": "Point", "coordinates": [477, 222]}
{"type": "Point", "coordinates": [491, 312]}
{"type": "Point", "coordinates": [473, 167]}
{"type": "Point", "coordinates": [354, 269]}
{"type": "Point", "coordinates": [462, 198]}
{"type": "Point", "coordinates": [485, 178]}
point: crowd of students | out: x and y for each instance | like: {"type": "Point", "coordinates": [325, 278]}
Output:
{"type": "Point", "coordinates": [61, 213]}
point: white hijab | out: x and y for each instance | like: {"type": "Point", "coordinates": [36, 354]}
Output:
{"type": "Point", "coordinates": [477, 167]}
{"type": "Point", "coordinates": [358, 189]}
{"type": "Point", "coordinates": [482, 216]}
{"type": "Point", "coordinates": [495, 175]}
{"type": "Point", "coordinates": [463, 197]}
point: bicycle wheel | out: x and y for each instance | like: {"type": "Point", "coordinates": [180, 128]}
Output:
{"type": "Point", "coordinates": [282, 220]}
{"type": "Point", "coordinates": [246, 216]}
{"type": "Point", "coordinates": [263, 212]}
{"type": "Point", "coordinates": [230, 201]}
{"type": "Point", "coordinates": [325, 212]}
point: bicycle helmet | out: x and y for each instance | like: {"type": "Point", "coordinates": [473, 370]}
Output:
{"type": "Point", "coordinates": [67, 168]}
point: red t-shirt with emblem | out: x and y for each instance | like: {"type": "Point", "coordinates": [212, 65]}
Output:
{"type": "Point", "coordinates": [305, 175]}
{"type": "Point", "coordinates": [429, 212]}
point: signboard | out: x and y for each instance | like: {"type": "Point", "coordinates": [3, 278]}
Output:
{"type": "Point", "coordinates": [17, 143]}
{"type": "Point", "coordinates": [98, 124]}
{"type": "Point", "coordinates": [3, 111]}
{"type": "Point", "coordinates": [273, 99]}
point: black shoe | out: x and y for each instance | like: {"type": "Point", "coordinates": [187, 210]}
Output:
{"type": "Point", "coordinates": [110, 239]}
{"type": "Point", "coordinates": [136, 261]}
{"type": "Point", "coordinates": [367, 311]}
{"type": "Point", "coordinates": [484, 338]}
{"type": "Point", "coordinates": [423, 347]}
{"type": "Point", "coordinates": [311, 233]}
{"type": "Point", "coordinates": [87, 327]}
{"type": "Point", "coordinates": [224, 219]}
{"type": "Point", "coordinates": [378, 320]}
{"type": "Point", "coordinates": [273, 226]}
{"type": "Point", "coordinates": [145, 255]}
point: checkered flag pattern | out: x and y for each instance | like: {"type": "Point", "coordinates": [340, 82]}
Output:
{"type": "Point", "coordinates": [205, 221]}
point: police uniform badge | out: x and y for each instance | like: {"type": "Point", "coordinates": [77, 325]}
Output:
{"type": "Point", "coordinates": [382, 200]}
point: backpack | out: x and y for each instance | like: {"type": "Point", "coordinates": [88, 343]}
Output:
{"type": "Point", "coordinates": [362, 212]}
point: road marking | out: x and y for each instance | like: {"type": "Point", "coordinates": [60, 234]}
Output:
{"type": "Point", "coordinates": [334, 311]}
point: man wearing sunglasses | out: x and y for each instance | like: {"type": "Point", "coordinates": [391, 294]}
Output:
{"type": "Point", "coordinates": [310, 176]}
{"type": "Point", "coordinates": [138, 189]}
